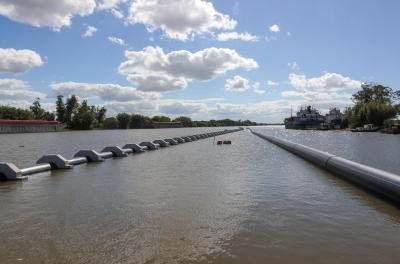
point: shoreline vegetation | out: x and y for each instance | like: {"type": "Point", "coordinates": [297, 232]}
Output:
{"type": "Point", "coordinates": [78, 115]}
{"type": "Point", "coordinates": [374, 104]}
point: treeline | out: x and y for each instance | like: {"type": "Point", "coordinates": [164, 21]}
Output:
{"type": "Point", "coordinates": [82, 116]}
{"type": "Point", "coordinates": [125, 121]}
{"type": "Point", "coordinates": [79, 116]}
{"type": "Point", "coordinates": [35, 112]}
{"type": "Point", "coordinates": [373, 104]}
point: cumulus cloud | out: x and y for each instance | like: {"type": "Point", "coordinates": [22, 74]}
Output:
{"type": "Point", "coordinates": [272, 83]}
{"type": "Point", "coordinates": [153, 70]}
{"type": "Point", "coordinates": [89, 32]}
{"type": "Point", "coordinates": [264, 111]}
{"type": "Point", "coordinates": [17, 61]}
{"type": "Point", "coordinates": [46, 13]}
{"type": "Point", "coordinates": [330, 88]}
{"type": "Point", "coordinates": [257, 88]}
{"type": "Point", "coordinates": [274, 28]}
{"type": "Point", "coordinates": [112, 6]}
{"type": "Point", "coordinates": [17, 92]}
{"type": "Point", "coordinates": [179, 19]}
{"type": "Point", "coordinates": [225, 36]}
{"type": "Point", "coordinates": [109, 4]}
{"type": "Point", "coordinates": [170, 107]}
{"type": "Point", "coordinates": [106, 91]}
{"type": "Point", "coordinates": [117, 41]}
{"type": "Point", "coordinates": [326, 82]}
{"type": "Point", "coordinates": [177, 108]}
{"type": "Point", "coordinates": [237, 84]}
{"type": "Point", "coordinates": [117, 13]}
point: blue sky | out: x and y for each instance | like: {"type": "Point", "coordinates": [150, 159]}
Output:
{"type": "Point", "coordinates": [204, 59]}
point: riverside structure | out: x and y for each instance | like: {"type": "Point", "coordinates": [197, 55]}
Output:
{"type": "Point", "coordinates": [29, 126]}
{"type": "Point", "coordinates": [49, 162]}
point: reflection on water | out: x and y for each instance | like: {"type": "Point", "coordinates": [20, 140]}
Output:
{"type": "Point", "coordinates": [250, 202]}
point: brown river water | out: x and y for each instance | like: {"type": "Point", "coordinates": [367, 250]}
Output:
{"type": "Point", "coordinates": [249, 202]}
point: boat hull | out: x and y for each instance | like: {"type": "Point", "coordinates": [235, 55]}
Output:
{"type": "Point", "coordinates": [365, 130]}
{"type": "Point", "coordinates": [302, 124]}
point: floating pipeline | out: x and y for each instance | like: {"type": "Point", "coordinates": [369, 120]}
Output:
{"type": "Point", "coordinates": [381, 182]}
{"type": "Point", "coordinates": [9, 171]}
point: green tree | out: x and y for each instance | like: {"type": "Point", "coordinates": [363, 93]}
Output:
{"type": "Point", "coordinates": [84, 117]}
{"type": "Point", "coordinates": [374, 93]}
{"type": "Point", "coordinates": [110, 123]}
{"type": "Point", "coordinates": [185, 121]}
{"type": "Point", "coordinates": [37, 110]}
{"type": "Point", "coordinates": [71, 108]}
{"type": "Point", "coordinates": [13, 113]}
{"type": "Point", "coordinates": [123, 120]}
{"type": "Point", "coordinates": [139, 121]}
{"type": "Point", "coordinates": [49, 116]}
{"type": "Point", "coordinates": [60, 109]}
{"type": "Point", "coordinates": [160, 119]}
{"type": "Point", "coordinates": [373, 104]}
{"type": "Point", "coordinates": [100, 115]}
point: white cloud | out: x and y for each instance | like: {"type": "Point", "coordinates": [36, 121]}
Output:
{"type": "Point", "coordinates": [294, 66]}
{"type": "Point", "coordinates": [113, 6]}
{"type": "Point", "coordinates": [109, 4]}
{"type": "Point", "coordinates": [117, 41]}
{"type": "Point", "coordinates": [17, 93]}
{"type": "Point", "coordinates": [117, 13]}
{"type": "Point", "coordinates": [272, 83]}
{"type": "Point", "coordinates": [153, 70]}
{"type": "Point", "coordinates": [324, 83]}
{"type": "Point", "coordinates": [46, 13]}
{"type": "Point", "coordinates": [274, 28]}
{"type": "Point", "coordinates": [330, 89]}
{"type": "Point", "coordinates": [264, 111]}
{"type": "Point", "coordinates": [179, 19]}
{"type": "Point", "coordinates": [106, 91]}
{"type": "Point", "coordinates": [257, 88]}
{"type": "Point", "coordinates": [89, 32]}
{"type": "Point", "coordinates": [225, 36]}
{"type": "Point", "coordinates": [237, 84]}
{"type": "Point", "coordinates": [170, 107]}
{"type": "Point", "coordinates": [292, 94]}
{"type": "Point", "coordinates": [177, 108]}
{"type": "Point", "coordinates": [17, 61]}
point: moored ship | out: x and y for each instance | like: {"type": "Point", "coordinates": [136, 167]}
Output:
{"type": "Point", "coordinates": [306, 118]}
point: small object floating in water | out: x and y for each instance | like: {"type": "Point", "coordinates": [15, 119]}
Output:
{"type": "Point", "coordinates": [21, 146]}
{"type": "Point", "coordinates": [225, 142]}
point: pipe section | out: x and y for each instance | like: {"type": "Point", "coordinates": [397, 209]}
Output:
{"type": "Point", "coordinates": [381, 182]}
